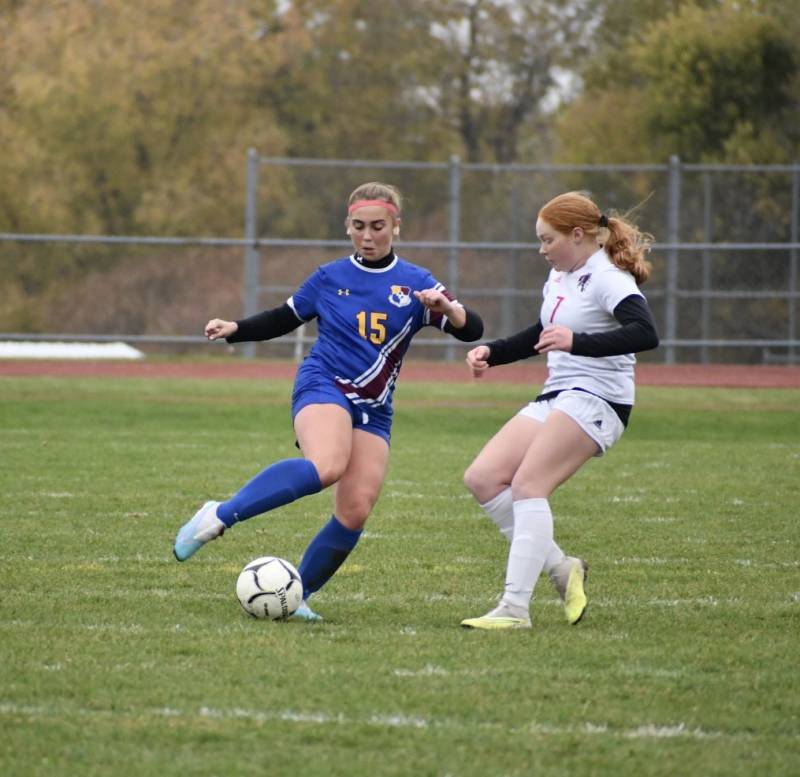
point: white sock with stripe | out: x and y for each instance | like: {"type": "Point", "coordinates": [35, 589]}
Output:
{"type": "Point", "coordinates": [530, 547]}
{"type": "Point", "coordinates": [501, 510]}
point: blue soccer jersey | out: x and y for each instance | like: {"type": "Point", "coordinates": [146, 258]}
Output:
{"type": "Point", "coordinates": [366, 317]}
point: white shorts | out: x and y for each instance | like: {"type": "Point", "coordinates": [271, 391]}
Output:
{"type": "Point", "coordinates": [594, 415]}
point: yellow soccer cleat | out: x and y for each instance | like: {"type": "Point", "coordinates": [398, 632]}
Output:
{"type": "Point", "coordinates": [569, 579]}
{"type": "Point", "coordinates": [503, 616]}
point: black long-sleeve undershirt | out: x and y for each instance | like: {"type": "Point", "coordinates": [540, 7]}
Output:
{"type": "Point", "coordinates": [636, 333]}
{"type": "Point", "coordinates": [266, 325]}
{"type": "Point", "coordinates": [281, 320]}
{"type": "Point", "coordinates": [515, 347]}
{"type": "Point", "coordinates": [471, 331]}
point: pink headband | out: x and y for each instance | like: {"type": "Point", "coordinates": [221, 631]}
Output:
{"type": "Point", "coordinates": [391, 207]}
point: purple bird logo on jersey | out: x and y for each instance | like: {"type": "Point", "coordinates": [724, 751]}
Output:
{"type": "Point", "coordinates": [583, 280]}
{"type": "Point", "coordinates": [400, 296]}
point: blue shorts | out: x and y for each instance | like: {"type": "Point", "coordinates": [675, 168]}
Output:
{"type": "Point", "coordinates": [313, 388]}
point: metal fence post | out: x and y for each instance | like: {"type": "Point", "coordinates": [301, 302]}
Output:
{"type": "Point", "coordinates": [453, 235]}
{"type": "Point", "coordinates": [792, 335]}
{"type": "Point", "coordinates": [509, 309]}
{"type": "Point", "coordinates": [671, 281]}
{"type": "Point", "coordinates": [252, 255]}
{"type": "Point", "coordinates": [705, 302]}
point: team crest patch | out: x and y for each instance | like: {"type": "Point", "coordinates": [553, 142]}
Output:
{"type": "Point", "coordinates": [400, 296]}
{"type": "Point", "coordinates": [583, 280]}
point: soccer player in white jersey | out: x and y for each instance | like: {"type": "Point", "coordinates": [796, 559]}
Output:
{"type": "Point", "coordinates": [368, 307]}
{"type": "Point", "coordinates": [592, 321]}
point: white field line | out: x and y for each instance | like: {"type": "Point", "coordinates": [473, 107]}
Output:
{"type": "Point", "coordinates": [749, 562]}
{"type": "Point", "coordinates": [97, 561]}
{"type": "Point", "coordinates": [432, 670]}
{"type": "Point", "coordinates": [550, 600]}
{"type": "Point", "coordinates": [74, 562]}
{"type": "Point", "coordinates": [361, 597]}
{"type": "Point", "coordinates": [427, 497]}
{"type": "Point", "coordinates": [427, 671]}
{"type": "Point", "coordinates": [651, 561]}
{"type": "Point", "coordinates": [380, 719]}
{"type": "Point", "coordinates": [466, 602]}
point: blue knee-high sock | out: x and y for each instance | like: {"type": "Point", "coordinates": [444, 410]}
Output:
{"type": "Point", "coordinates": [279, 484]}
{"type": "Point", "coordinates": [325, 554]}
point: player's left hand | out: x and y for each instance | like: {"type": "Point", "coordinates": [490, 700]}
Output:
{"type": "Point", "coordinates": [554, 338]}
{"type": "Point", "coordinates": [434, 300]}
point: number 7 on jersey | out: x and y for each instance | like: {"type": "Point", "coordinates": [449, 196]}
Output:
{"type": "Point", "coordinates": [559, 300]}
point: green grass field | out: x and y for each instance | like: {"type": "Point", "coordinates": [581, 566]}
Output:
{"type": "Point", "coordinates": [116, 660]}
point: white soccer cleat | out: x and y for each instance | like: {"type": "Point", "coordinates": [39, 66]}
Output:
{"type": "Point", "coordinates": [568, 578]}
{"type": "Point", "coordinates": [202, 528]}
{"type": "Point", "coordinates": [504, 616]}
{"type": "Point", "coordinates": [305, 613]}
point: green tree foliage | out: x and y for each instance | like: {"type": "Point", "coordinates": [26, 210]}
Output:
{"type": "Point", "coordinates": [135, 117]}
{"type": "Point", "coordinates": [420, 79]}
{"type": "Point", "coordinates": [623, 22]}
{"type": "Point", "coordinates": [350, 87]}
{"type": "Point", "coordinates": [123, 118]}
{"type": "Point", "coordinates": [130, 117]}
{"type": "Point", "coordinates": [704, 83]}
{"type": "Point", "coordinates": [499, 63]}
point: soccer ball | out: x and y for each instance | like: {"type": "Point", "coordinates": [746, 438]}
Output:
{"type": "Point", "coordinates": [269, 587]}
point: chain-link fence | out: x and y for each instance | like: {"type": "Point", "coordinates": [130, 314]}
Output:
{"type": "Point", "coordinates": [724, 286]}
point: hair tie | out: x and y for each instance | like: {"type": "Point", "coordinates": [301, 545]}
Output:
{"type": "Point", "coordinates": [603, 221]}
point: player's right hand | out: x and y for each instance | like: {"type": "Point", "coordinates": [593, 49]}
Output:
{"type": "Point", "coordinates": [217, 328]}
{"type": "Point", "coordinates": [477, 360]}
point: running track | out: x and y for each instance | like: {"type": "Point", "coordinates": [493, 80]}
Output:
{"type": "Point", "coordinates": [723, 375]}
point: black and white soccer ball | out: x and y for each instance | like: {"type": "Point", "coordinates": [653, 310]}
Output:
{"type": "Point", "coordinates": [269, 587]}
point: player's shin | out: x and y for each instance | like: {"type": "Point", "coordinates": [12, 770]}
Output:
{"type": "Point", "coordinates": [325, 554]}
{"type": "Point", "coordinates": [501, 510]}
{"type": "Point", "coordinates": [533, 538]}
{"type": "Point", "coordinates": [277, 485]}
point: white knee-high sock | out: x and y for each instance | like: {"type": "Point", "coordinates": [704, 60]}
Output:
{"type": "Point", "coordinates": [533, 537]}
{"type": "Point", "coordinates": [554, 556]}
{"type": "Point", "coordinates": [501, 510]}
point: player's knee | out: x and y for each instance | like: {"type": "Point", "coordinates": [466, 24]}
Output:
{"type": "Point", "coordinates": [477, 482]}
{"type": "Point", "coordinates": [330, 470]}
{"type": "Point", "coordinates": [529, 486]}
{"type": "Point", "coordinates": [354, 511]}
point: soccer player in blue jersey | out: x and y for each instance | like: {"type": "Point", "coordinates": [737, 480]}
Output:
{"type": "Point", "coordinates": [592, 321]}
{"type": "Point", "coordinates": [368, 307]}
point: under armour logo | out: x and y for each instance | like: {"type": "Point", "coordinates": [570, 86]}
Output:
{"type": "Point", "coordinates": [344, 292]}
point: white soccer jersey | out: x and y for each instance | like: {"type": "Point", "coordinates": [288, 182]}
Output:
{"type": "Point", "coordinates": [584, 301]}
